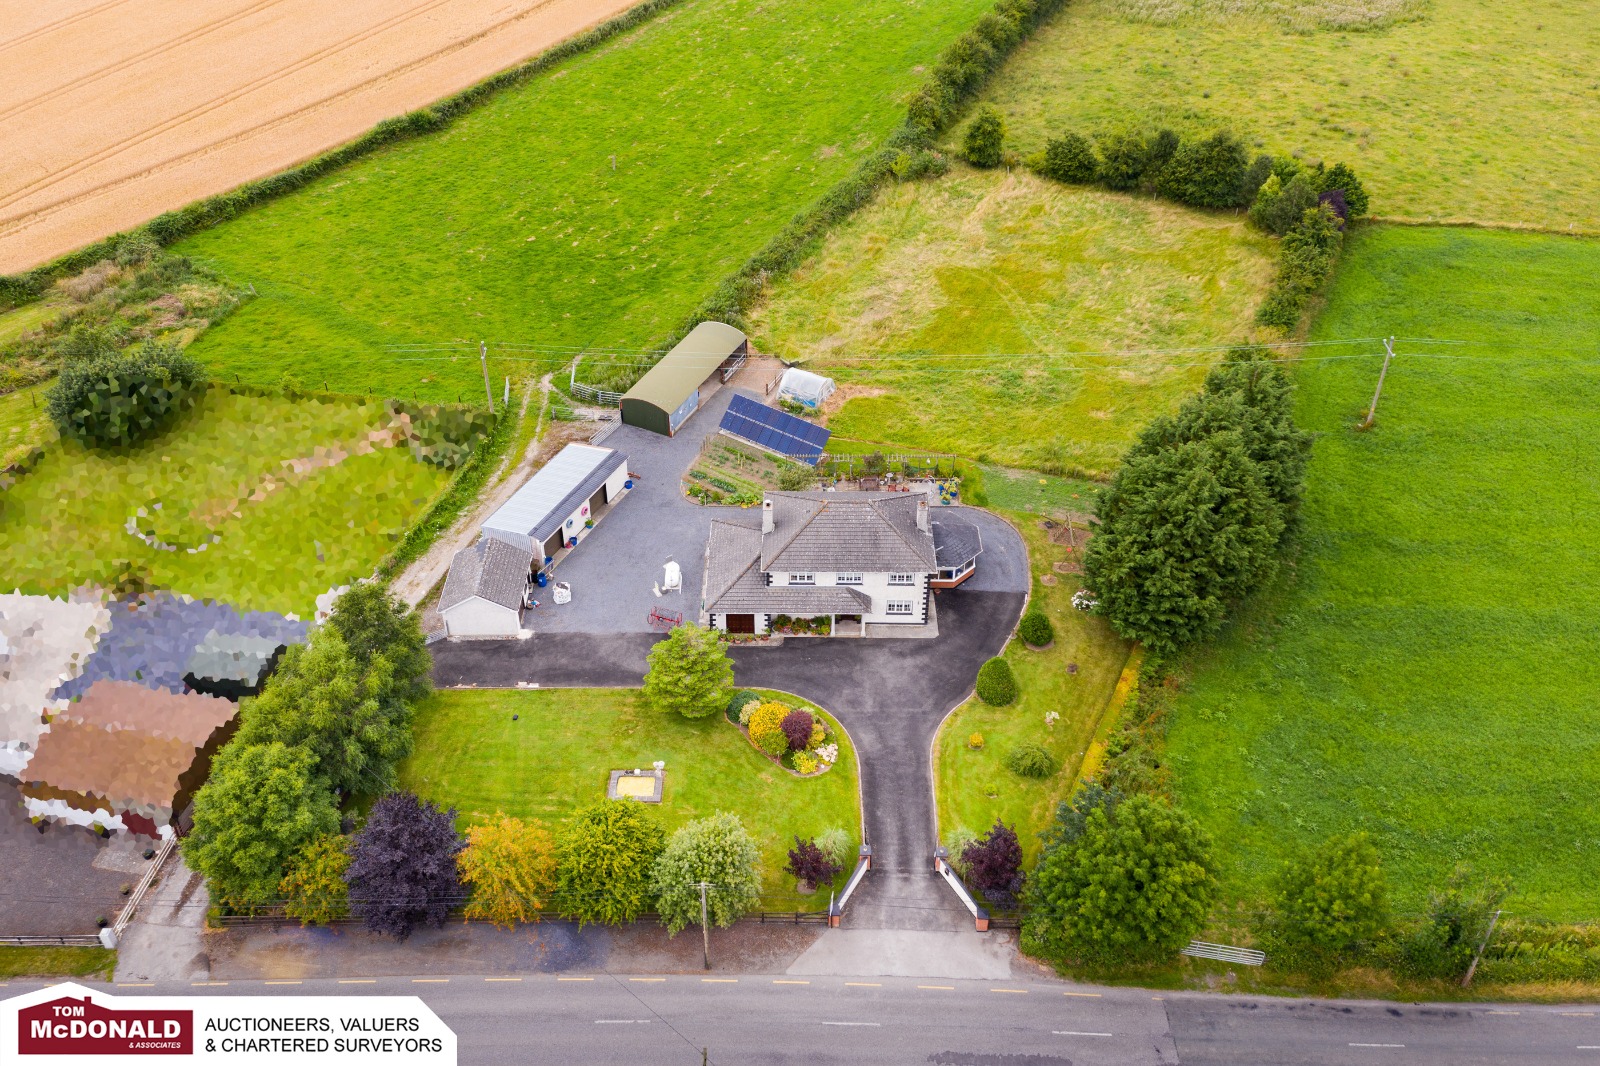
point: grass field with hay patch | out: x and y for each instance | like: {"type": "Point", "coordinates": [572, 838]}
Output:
{"type": "Point", "coordinates": [1483, 111]}
{"type": "Point", "coordinates": [1428, 673]}
{"type": "Point", "coordinates": [985, 264]}
{"type": "Point", "coordinates": [595, 205]}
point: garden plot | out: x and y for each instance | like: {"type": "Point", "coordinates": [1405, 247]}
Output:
{"type": "Point", "coordinates": [732, 473]}
{"type": "Point", "coordinates": [950, 311]}
{"type": "Point", "coordinates": [558, 753]}
{"type": "Point", "coordinates": [262, 503]}
{"type": "Point", "coordinates": [1427, 672]}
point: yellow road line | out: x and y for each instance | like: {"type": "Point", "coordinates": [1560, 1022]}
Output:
{"type": "Point", "coordinates": [942, 988]}
{"type": "Point", "coordinates": [502, 978]}
{"type": "Point", "coordinates": [719, 980]}
{"type": "Point", "coordinates": [1013, 991]}
{"type": "Point", "coordinates": [357, 981]}
{"type": "Point", "coordinates": [779, 982]}
{"type": "Point", "coordinates": [1092, 995]}
{"type": "Point", "coordinates": [862, 984]}
{"type": "Point", "coordinates": [647, 979]}
{"type": "Point", "coordinates": [430, 980]}
{"type": "Point", "coordinates": [281, 982]}
{"type": "Point", "coordinates": [574, 978]}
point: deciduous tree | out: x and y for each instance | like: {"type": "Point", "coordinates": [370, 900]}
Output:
{"type": "Point", "coordinates": [1333, 900]}
{"type": "Point", "coordinates": [690, 673]}
{"type": "Point", "coordinates": [262, 804]}
{"type": "Point", "coordinates": [510, 867]}
{"type": "Point", "coordinates": [1135, 885]}
{"type": "Point", "coordinates": [719, 851]}
{"type": "Point", "coordinates": [810, 863]}
{"type": "Point", "coordinates": [993, 862]}
{"type": "Point", "coordinates": [373, 623]}
{"type": "Point", "coordinates": [402, 869]}
{"type": "Point", "coordinates": [118, 400]}
{"type": "Point", "coordinates": [604, 859]}
{"type": "Point", "coordinates": [984, 144]}
{"type": "Point", "coordinates": [313, 884]}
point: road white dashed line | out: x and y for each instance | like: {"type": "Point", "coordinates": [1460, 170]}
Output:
{"type": "Point", "coordinates": [1069, 1032]}
{"type": "Point", "coordinates": [1354, 1044]}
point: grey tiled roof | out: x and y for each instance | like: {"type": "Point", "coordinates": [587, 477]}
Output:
{"type": "Point", "coordinates": [736, 584]}
{"type": "Point", "coordinates": [490, 569]}
{"type": "Point", "coordinates": [875, 532]}
{"type": "Point", "coordinates": [955, 541]}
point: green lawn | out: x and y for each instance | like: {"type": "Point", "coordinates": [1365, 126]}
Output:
{"type": "Point", "coordinates": [596, 205]}
{"type": "Point", "coordinates": [1039, 494]}
{"type": "Point", "coordinates": [982, 262]}
{"type": "Point", "coordinates": [1430, 675]}
{"type": "Point", "coordinates": [23, 423]}
{"type": "Point", "coordinates": [57, 962]}
{"type": "Point", "coordinates": [64, 522]}
{"type": "Point", "coordinates": [1481, 110]}
{"type": "Point", "coordinates": [471, 755]}
{"type": "Point", "coordinates": [974, 787]}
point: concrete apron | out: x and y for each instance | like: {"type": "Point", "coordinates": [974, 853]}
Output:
{"type": "Point", "coordinates": [908, 953]}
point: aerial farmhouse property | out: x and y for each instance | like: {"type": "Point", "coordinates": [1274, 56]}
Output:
{"type": "Point", "coordinates": [867, 557]}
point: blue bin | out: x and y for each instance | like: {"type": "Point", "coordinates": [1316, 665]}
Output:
{"type": "Point", "coordinates": [627, 484]}
{"type": "Point", "coordinates": [543, 579]}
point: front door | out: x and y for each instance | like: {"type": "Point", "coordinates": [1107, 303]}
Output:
{"type": "Point", "coordinates": [741, 623]}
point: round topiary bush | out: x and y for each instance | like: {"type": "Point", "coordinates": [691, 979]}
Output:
{"type": "Point", "coordinates": [1036, 631]}
{"type": "Point", "coordinates": [1030, 760]}
{"type": "Point", "coordinates": [766, 728]}
{"type": "Point", "coordinates": [996, 685]}
{"type": "Point", "coordinates": [736, 707]}
{"type": "Point", "coordinates": [796, 726]}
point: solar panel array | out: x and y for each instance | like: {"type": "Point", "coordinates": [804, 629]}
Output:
{"type": "Point", "coordinates": [774, 430]}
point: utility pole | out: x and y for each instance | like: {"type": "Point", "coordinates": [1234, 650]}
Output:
{"type": "Point", "coordinates": [483, 357]}
{"type": "Point", "coordinates": [705, 932]}
{"type": "Point", "coordinates": [1388, 354]}
{"type": "Point", "coordinates": [1467, 980]}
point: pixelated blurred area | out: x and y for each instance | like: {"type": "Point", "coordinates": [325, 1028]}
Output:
{"type": "Point", "coordinates": [110, 713]}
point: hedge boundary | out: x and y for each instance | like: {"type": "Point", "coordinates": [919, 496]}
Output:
{"type": "Point", "coordinates": [172, 226]}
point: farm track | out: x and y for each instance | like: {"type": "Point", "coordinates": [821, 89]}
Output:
{"type": "Point", "coordinates": [152, 112]}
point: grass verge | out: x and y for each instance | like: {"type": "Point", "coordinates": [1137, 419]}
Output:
{"type": "Point", "coordinates": [1422, 675]}
{"type": "Point", "coordinates": [982, 264]}
{"type": "Point", "coordinates": [1074, 678]}
{"type": "Point", "coordinates": [57, 962]}
{"type": "Point", "coordinates": [555, 758]}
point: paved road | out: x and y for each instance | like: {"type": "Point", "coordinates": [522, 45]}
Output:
{"type": "Point", "coordinates": [751, 1019]}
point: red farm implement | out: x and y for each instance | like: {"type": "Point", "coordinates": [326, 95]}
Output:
{"type": "Point", "coordinates": [664, 620]}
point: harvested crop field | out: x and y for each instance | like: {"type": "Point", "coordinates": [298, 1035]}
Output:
{"type": "Point", "coordinates": [114, 112]}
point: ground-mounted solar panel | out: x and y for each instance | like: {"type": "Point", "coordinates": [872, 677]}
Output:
{"type": "Point", "coordinates": [774, 430]}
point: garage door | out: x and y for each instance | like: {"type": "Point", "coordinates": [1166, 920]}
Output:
{"type": "Point", "coordinates": [741, 623]}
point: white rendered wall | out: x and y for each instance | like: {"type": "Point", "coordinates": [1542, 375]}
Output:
{"type": "Point", "coordinates": [477, 617]}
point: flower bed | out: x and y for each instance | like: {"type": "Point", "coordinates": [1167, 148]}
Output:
{"type": "Point", "coordinates": [773, 728]}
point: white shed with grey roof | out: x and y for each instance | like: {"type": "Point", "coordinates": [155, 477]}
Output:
{"type": "Point", "coordinates": [557, 506]}
{"type": "Point", "coordinates": [483, 595]}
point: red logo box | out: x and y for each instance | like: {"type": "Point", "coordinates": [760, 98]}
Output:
{"type": "Point", "coordinates": [68, 1026]}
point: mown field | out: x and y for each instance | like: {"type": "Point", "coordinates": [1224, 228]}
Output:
{"type": "Point", "coordinates": [558, 755]}
{"type": "Point", "coordinates": [1436, 110]}
{"type": "Point", "coordinates": [986, 264]}
{"type": "Point", "coordinates": [1429, 673]}
{"type": "Point", "coordinates": [295, 510]}
{"type": "Point", "coordinates": [1074, 678]}
{"type": "Point", "coordinates": [593, 206]}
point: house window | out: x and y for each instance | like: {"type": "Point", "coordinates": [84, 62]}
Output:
{"type": "Point", "coordinates": [898, 607]}
{"type": "Point", "coordinates": [902, 579]}
{"type": "Point", "coordinates": [802, 579]}
{"type": "Point", "coordinates": [850, 579]}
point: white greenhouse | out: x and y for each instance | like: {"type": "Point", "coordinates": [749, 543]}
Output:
{"type": "Point", "coordinates": [804, 388]}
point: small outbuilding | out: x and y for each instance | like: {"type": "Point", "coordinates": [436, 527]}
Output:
{"type": "Point", "coordinates": [232, 665]}
{"type": "Point", "coordinates": [670, 391]}
{"type": "Point", "coordinates": [483, 595]}
{"type": "Point", "coordinates": [126, 757]}
{"type": "Point", "coordinates": [803, 387]}
{"type": "Point", "coordinates": [558, 505]}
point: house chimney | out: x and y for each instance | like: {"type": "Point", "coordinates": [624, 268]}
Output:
{"type": "Point", "coordinates": [766, 515]}
{"type": "Point", "coordinates": [922, 512]}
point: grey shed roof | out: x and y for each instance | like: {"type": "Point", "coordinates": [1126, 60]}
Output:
{"type": "Point", "coordinates": [955, 541]}
{"type": "Point", "coordinates": [875, 532]}
{"type": "Point", "coordinates": [233, 656]}
{"type": "Point", "coordinates": [543, 503]}
{"type": "Point", "coordinates": [492, 570]}
{"type": "Point", "coordinates": [736, 585]}
{"type": "Point", "coordinates": [691, 361]}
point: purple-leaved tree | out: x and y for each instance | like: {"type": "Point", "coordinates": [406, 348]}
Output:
{"type": "Point", "coordinates": [403, 866]}
{"type": "Point", "coordinates": [810, 863]}
{"type": "Point", "coordinates": [796, 726]}
{"type": "Point", "coordinates": [994, 865]}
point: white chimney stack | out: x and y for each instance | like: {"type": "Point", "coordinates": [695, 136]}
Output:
{"type": "Point", "coordinates": [922, 512]}
{"type": "Point", "coordinates": [766, 516]}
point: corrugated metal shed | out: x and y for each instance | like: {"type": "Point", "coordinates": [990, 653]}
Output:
{"type": "Point", "coordinates": [666, 388]}
{"type": "Point", "coordinates": [538, 508]}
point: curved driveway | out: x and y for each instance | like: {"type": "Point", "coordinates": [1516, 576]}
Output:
{"type": "Point", "coordinates": [890, 693]}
